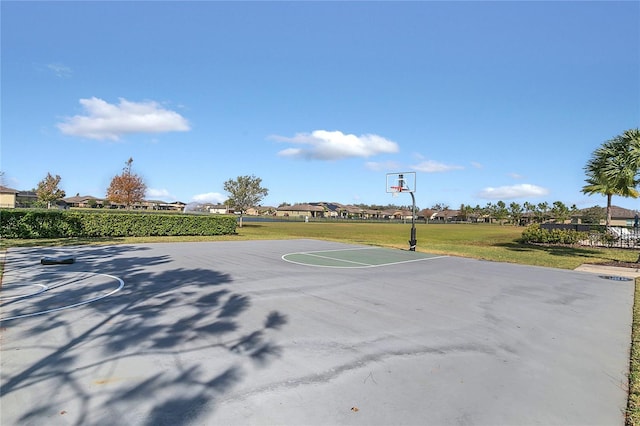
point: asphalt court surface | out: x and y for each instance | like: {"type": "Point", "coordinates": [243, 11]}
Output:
{"type": "Point", "coordinates": [263, 333]}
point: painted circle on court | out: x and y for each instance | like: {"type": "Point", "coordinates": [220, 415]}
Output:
{"type": "Point", "coordinates": [120, 285]}
{"type": "Point", "coordinates": [31, 292]}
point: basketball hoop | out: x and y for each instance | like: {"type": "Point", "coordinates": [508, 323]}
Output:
{"type": "Point", "coordinates": [405, 182]}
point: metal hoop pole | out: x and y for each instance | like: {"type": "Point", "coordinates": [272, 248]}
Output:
{"type": "Point", "coordinates": [413, 241]}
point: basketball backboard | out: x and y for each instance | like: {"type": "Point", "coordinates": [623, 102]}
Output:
{"type": "Point", "coordinates": [401, 182]}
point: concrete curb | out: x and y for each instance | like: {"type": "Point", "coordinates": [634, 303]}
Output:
{"type": "Point", "coordinates": [610, 270]}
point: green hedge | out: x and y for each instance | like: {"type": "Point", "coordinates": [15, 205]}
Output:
{"type": "Point", "coordinates": [25, 224]}
{"type": "Point", "coordinates": [535, 234]}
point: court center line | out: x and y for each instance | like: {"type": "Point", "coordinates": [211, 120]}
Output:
{"type": "Point", "coordinates": [363, 265]}
{"type": "Point", "coordinates": [342, 249]}
{"type": "Point", "coordinates": [337, 259]}
{"type": "Point", "coordinates": [411, 260]}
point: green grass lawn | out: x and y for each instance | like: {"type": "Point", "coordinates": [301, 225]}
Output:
{"type": "Point", "coordinates": [489, 242]}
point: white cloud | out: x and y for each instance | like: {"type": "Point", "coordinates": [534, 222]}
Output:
{"type": "Point", "coordinates": [476, 165]}
{"type": "Point", "coordinates": [431, 166]}
{"type": "Point", "coordinates": [513, 191]}
{"type": "Point", "coordinates": [335, 145]}
{"type": "Point", "coordinates": [60, 70]}
{"type": "Point", "coordinates": [516, 176]}
{"type": "Point", "coordinates": [109, 121]}
{"type": "Point", "coordinates": [210, 197]}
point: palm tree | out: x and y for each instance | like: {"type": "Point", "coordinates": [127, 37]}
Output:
{"type": "Point", "coordinates": [541, 210]}
{"type": "Point", "coordinates": [515, 211]}
{"type": "Point", "coordinates": [614, 168]}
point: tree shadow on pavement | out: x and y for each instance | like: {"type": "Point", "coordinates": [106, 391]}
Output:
{"type": "Point", "coordinates": [170, 343]}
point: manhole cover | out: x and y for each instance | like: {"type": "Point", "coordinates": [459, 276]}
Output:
{"type": "Point", "coordinates": [615, 278]}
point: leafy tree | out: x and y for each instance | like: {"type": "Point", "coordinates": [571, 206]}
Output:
{"type": "Point", "coordinates": [48, 190]}
{"type": "Point", "coordinates": [593, 215]}
{"type": "Point", "coordinates": [529, 210]}
{"type": "Point", "coordinates": [489, 210]}
{"type": "Point", "coordinates": [478, 212]}
{"type": "Point", "coordinates": [501, 212]}
{"type": "Point", "coordinates": [441, 207]}
{"type": "Point", "coordinates": [560, 211]}
{"type": "Point", "coordinates": [465, 212]}
{"type": "Point", "coordinates": [614, 167]}
{"type": "Point", "coordinates": [245, 192]}
{"type": "Point", "coordinates": [127, 188]}
{"type": "Point", "coordinates": [573, 210]}
{"type": "Point", "coordinates": [542, 211]}
{"type": "Point", "coordinates": [515, 211]}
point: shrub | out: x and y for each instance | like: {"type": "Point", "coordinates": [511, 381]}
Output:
{"type": "Point", "coordinates": [27, 224]}
{"type": "Point", "coordinates": [535, 234]}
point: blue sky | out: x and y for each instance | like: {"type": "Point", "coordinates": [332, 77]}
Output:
{"type": "Point", "coordinates": [485, 101]}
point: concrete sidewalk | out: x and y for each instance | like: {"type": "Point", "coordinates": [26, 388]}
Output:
{"type": "Point", "coordinates": [229, 333]}
{"type": "Point", "coordinates": [610, 270]}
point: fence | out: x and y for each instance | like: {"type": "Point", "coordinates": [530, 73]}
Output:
{"type": "Point", "coordinates": [601, 236]}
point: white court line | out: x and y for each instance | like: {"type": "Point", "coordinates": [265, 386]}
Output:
{"type": "Point", "coordinates": [333, 250]}
{"type": "Point", "coordinates": [48, 311]}
{"type": "Point", "coordinates": [22, 296]}
{"type": "Point", "coordinates": [364, 265]}
{"type": "Point", "coordinates": [339, 260]}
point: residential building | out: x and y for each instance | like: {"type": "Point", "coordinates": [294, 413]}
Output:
{"type": "Point", "coordinates": [218, 209]}
{"type": "Point", "coordinates": [8, 197]}
{"type": "Point", "coordinates": [300, 210]}
{"type": "Point", "coordinates": [84, 201]}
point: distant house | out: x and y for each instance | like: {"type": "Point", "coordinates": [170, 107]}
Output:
{"type": "Point", "coordinates": [159, 205]}
{"type": "Point", "coordinates": [260, 211]}
{"type": "Point", "coordinates": [353, 212]}
{"type": "Point", "coordinates": [26, 198]}
{"type": "Point", "coordinates": [622, 217]}
{"type": "Point", "coordinates": [8, 197]}
{"type": "Point", "coordinates": [331, 210]}
{"type": "Point", "coordinates": [300, 210]}
{"type": "Point", "coordinates": [84, 201]}
{"type": "Point", "coordinates": [446, 215]}
{"type": "Point", "coordinates": [403, 214]}
{"type": "Point", "coordinates": [218, 209]}
{"type": "Point", "coordinates": [619, 217]}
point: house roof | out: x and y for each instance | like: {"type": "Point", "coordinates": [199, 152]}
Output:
{"type": "Point", "coordinates": [616, 212]}
{"type": "Point", "coordinates": [79, 199]}
{"type": "Point", "coordinates": [7, 190]}
{"type": "Point", "coordinates": [622, 213]}
{"type": "Point", "coordinates": [301, 208]}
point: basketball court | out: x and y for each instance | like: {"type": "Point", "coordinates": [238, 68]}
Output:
{"type": "Point", "coordinates": [359, 257]}
{"type": "Point", "coordinates": [306, 332]}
